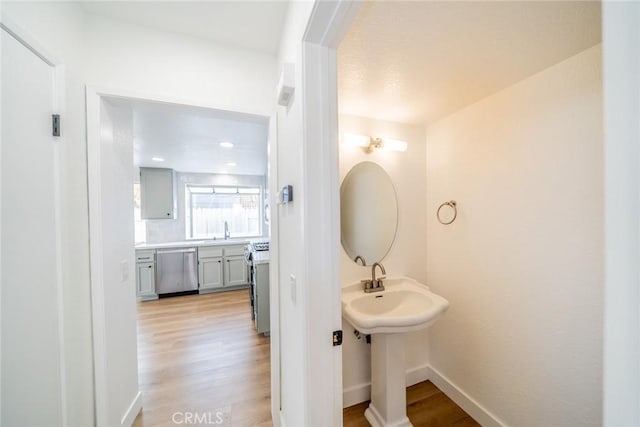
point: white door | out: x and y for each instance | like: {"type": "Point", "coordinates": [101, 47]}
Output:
{"type": "Point", "coordinates": [31, 384]}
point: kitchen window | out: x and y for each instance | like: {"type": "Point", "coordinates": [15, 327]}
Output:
{"type": "Point", "coordinates": [208, 207]}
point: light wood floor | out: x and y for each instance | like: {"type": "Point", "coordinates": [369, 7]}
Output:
{"type": "Point", "coordinates": [201, 354]}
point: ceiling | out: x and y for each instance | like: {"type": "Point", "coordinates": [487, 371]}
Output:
{"type": "Point", "coordinates": [416, 62]}
{"type": "Point", "coordinates": [255, 25]}
{"type": "Point", "coordinates": [188, 139]}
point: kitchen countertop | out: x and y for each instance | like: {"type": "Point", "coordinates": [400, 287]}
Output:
{"type": "Point", "coordinates": [192, 243]}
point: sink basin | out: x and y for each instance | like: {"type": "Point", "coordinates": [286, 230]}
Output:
{"type": "Point", "coordinates": [405, 305]}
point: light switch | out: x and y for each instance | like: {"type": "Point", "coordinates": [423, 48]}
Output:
{"type": "Point", "coordinates": [124, 271]}
{"type": "Point", "coordinates": [292, 283]}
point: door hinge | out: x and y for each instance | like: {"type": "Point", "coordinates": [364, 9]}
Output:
{"type": "Point", "coordinates": [55, 124]}
{"type": "Point", "coordinates": [337, 338]}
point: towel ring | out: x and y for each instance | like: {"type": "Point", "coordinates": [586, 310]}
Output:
{"type": "Point", "coordinates": [452, 205]}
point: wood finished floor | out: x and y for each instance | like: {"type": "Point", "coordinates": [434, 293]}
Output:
{"type": "Point", "coordinates": [201, 354]}
{"type": "Point", "coordinates": [426, 406]}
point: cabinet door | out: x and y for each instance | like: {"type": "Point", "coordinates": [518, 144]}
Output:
{"type": "Point", "coordinates": [156, 193]}
{"type": "Point", "coordinates": [210, 272]}
{"type": "Point", "coordinates": [235, 271]}
{"type": "Point", "coordinates": [145, 279]}
{"type": "Point", "coordinates": [262, 298]}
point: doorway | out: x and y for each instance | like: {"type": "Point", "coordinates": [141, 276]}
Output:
{"type": "Point", "coordinates": [184, 358]}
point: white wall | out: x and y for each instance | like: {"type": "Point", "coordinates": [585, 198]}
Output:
{"type": "Point", "coordinates": [119, 296]}
{"type": "Point", "coordinates": [288, 162]}
{"type": "Point", "coordinates": [621, 36]}
{"type": "Point", "coordinates": [522, 266]}
{"type": "Point", "coordinates": [103, 52]}
{"type": "Point", "coordinates": [58, 28]}
{"type": "Point", "coordinates": [174, 230]}
{"type": "Point", "coordinates": [147, 61]}
{"type": "Point", "coordinates": [406, 257]}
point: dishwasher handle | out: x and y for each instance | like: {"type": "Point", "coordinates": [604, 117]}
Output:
{"type": "Point", "coordinates": [176, 251]}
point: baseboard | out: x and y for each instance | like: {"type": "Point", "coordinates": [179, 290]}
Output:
{"type": "Point", "coordinates": [463, 400]}
{"type": "Point", "coordinates": [133, 411]}
{"type": "Point", "coordinates": [362, 392]}
{"type": "Point", "coordinates": [224, 289]}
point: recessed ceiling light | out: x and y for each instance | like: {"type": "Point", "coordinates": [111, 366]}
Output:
{"type": "Point", "coordinates": [231, 164]}
{"type": "Point", "coordinates": [157, 159]}
{"type": "Point", "coordinates": [226, 144]}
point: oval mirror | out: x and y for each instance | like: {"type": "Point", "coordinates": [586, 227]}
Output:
{"type": "Point", "coordinates": [368, 213]}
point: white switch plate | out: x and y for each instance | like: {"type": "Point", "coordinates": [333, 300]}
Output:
{"type": "Point", "coordinates": [124, 271]}
{"type": "Point", "coordinates": [292, 283]}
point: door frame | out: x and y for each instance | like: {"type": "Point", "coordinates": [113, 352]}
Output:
{"type": "Point", "coordinates": [58, 106]}
{"type": "Point", "coordinates": [94, 95]}
{"type": "Point", "coordinates": [327, 25]}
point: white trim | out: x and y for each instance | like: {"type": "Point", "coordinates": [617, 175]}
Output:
{"type": "Point", "coordinates": [327, 24]}
{"type": "Point", "coordinates": [132, 412]}
{"type": "Point", "coordinates": [27, 39]}
{"type": "Point", "coordinates": [59, 107]}
{"type": "Point", "coordinates": [177, 100]}
{"type": "Point", "coordinates": [95, 251]}
{"type": "Point", "coordinates": [463, 400]}
{"type": "Point", "coordinates": [621, 85]}
{"type": "Point", "coordinates": [274, 273]}
{"type": "Point", "coordinates": [362, 392]}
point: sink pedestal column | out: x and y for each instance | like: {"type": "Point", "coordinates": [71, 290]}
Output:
{"type": "Point", "coordinates": [388, 407]}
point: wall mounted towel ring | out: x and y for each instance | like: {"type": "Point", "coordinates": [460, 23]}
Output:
{"type": "Point", "coordinates": [452, 205]}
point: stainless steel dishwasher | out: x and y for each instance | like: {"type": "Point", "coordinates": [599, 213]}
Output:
{"type": "Point", "coordinates": [176, 271]}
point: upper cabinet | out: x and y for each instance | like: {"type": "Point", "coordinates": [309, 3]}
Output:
{"type": "Point", "coordinates": [157, 193]}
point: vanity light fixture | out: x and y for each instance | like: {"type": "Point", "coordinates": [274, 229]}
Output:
{"type": "Point", "coordinates": [226, 144]}
{"type": "Point", "coordinates": [157, 159]}
{"type": "Point", "coordinates": [370, 143]}
{"type": "Point", "coordinates": [232, 164]}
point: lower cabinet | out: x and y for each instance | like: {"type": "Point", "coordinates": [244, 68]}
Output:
{"type": "Point", "coordinates": [221, 267]}
{"type": "Point", "coordinates": [146, 275]}
{"type": "Point", "coordinates": [261, 298]}
{"type": "Point", "coordinates": [210, 272]}
{"type": "Point", "coordinates": [235, 272]}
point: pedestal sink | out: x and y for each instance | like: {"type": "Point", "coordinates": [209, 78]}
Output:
{"type": "Point", "coordinates": [405, 305]}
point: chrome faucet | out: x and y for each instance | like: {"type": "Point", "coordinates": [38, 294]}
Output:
{"type": "Point", "coordinates": [227, 234]}
{"type": "Point", "coordinates": [375, 284]}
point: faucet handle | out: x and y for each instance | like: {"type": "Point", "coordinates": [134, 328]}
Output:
{"type": "Point", "coordinates": [381, 278]}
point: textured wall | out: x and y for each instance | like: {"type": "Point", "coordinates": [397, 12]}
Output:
{"type": "Point", "coordinates": [522, 266]}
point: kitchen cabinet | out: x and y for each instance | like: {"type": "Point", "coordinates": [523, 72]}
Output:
{"type": "Point", "coordinates": [146, 275]}
{"type": "Point", "coordinates": [157, 193]}
{"type": "Point", "coordinates": [260, 286]}
{"type": "Point", "coordinates": [210, 273]}
{"type": "Point", "coordinates": [235, 271]}
{"type": "Point", "coordinates": [221, 267]}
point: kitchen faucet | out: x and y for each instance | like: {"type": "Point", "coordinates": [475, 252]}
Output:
{"type": "Point", "coordinates": [227, 234]}
{"type": "Point", "coordinates": [374, 285]}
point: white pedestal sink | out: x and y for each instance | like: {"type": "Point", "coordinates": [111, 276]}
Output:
{"type": "Point", "coordinates": [405, 305]}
